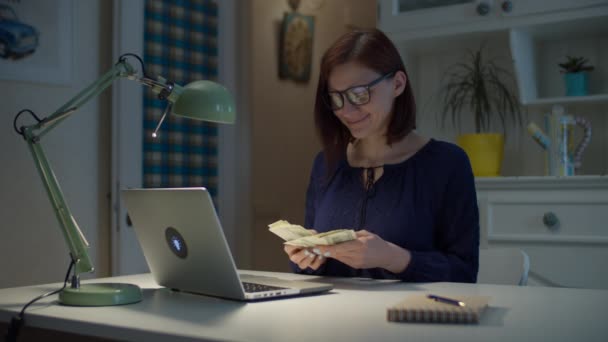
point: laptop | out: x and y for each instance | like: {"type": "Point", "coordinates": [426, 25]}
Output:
{"type": "Point", "coordinates": [185, 247]}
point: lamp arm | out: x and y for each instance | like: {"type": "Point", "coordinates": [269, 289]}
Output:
{"type": "Point", "coordinates": [120, 69]}
{"type": "Point", "coordinates": [71, 232]}
{"type": "Point", "coordinates": [74, 237]}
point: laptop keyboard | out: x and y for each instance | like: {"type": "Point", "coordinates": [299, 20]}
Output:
{"type": "Point", "coordinates": [252, 287]}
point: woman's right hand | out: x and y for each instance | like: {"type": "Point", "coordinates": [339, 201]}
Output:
{"type": "Point", "coordinates": [304, 257]}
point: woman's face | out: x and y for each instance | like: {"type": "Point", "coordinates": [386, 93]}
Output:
{"type": "Point", "coordinates": [372, 118]}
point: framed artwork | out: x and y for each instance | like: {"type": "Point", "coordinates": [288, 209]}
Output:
{"type": "Point", "coordinates": [295, 55]}
{"type": "Point", "coordinates": [36, 41]}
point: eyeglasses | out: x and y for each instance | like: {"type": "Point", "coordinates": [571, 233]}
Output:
{"type": "Point", "coordinates": [357, 95]}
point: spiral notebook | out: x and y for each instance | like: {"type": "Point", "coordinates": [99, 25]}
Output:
{"type": "Point", "coordinates": [419, 308]}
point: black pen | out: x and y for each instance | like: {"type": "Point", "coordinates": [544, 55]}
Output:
{"type": "Point", "coordinates": [446, 300]}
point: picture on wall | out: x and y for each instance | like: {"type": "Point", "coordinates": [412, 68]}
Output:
{"type": "Point", "coordinates": [36, 41]}
{"type": "Point", "coordinates": [295, 55]}
{"type": "Point", "coordinates": [17, 38]}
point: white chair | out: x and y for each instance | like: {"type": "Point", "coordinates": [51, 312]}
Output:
{"type": "Point", "coordinates": [504, 266]}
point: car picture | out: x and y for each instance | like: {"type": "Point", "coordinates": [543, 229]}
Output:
{"type": "Point", "coordinates": [17, 39]}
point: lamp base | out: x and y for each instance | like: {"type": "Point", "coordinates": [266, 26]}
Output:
{"type": "Point", "coordinates": [103, 294]}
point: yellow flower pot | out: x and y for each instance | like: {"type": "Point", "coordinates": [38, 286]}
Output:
{"type": "Point", "coordinates": [485, 152]}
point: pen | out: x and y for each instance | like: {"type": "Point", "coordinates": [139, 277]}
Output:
{"type": "Point", "coordinates": [446, 300]}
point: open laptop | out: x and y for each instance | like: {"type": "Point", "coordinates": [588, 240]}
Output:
{"type": "Point", "coordinates": [185, 247]}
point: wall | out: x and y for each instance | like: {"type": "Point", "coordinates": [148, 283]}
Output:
{"type": "Point", "coordinates": [33, 249]}
{"type": "Point", "coordinates": [283, 140]}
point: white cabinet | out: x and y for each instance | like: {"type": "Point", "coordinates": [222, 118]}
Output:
{"type": "Point", "coordinates": [411, 19]}
{"type": "Point", "coordinates": [404, 15]}
{"type": "Point", "coordinates": [560, 222]}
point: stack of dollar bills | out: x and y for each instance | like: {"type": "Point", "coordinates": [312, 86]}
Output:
{"type": "Point", "coordinates": [295, 235]}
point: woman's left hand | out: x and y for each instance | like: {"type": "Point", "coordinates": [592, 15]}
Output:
{"type": "Point", "coordinates": [368, 250]}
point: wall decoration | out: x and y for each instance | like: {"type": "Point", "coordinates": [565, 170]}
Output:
{"type": "Point", "coordinates": [36, 41]}
{"type": "Point", "coordinates": [295, 57]}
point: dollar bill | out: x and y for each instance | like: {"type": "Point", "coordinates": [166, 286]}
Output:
{"type": "Point", "coordinates": [296, 235]}
{"type": "Point", "coordinates": [288, 231]}
{"type": "Point", "coordinates": [328, 238]}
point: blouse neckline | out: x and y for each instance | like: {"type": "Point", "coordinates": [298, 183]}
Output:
{"type": "Point", "coordinates": [395, 165]}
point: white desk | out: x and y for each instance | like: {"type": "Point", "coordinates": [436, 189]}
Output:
{"type": "Point", "coordinates": [354, 311]}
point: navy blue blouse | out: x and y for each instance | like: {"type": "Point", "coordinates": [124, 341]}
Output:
{"type": "Point", "coordinates": [426, 204]}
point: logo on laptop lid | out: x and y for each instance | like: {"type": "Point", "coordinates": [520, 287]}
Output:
{"type": "Point", "coordinates": [176, 242]}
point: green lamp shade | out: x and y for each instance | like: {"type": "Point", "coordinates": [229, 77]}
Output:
{"type": "Point", "coordinates": [205, 100]}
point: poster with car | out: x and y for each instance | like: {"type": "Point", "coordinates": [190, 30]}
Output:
{"type": "Point", "coordinates": [36, 41]}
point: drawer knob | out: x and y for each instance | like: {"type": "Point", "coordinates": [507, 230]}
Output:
{"type": "Point", "coordinates": [507, 6]}
{"type": "Point", "coordinates": [551, 221]}
{"type": "Point", "coordinates": [483, 8]}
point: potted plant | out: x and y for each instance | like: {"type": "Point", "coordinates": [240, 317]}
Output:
{"type": "Point", "coordinates": [575, 75]}
{"type": "Point", "coordinates": [480, 88]}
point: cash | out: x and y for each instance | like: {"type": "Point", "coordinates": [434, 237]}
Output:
{"type": "Point", "coordinates": [288, 231]}
{"type": "Point", "coordinates": [328, 238]}
{"type": "Point", "coordinates": [296, 235]}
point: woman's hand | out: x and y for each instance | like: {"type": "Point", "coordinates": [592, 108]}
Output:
{"type": "Point", "coordinates": [303, 257]}
{"type": "Point", "coordinates": [368, 250]}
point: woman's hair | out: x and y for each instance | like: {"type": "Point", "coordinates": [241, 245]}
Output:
{"type": "Point", "coordinates": [374, 50]}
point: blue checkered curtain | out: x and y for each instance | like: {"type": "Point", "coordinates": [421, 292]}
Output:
{"type": "Point", "coordinates": [180, 45]}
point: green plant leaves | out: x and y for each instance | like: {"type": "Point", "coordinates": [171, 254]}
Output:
{"type": "Point", "coordinates": [575, 64]}
{"type": "Point", "coordinates": [481, 86]}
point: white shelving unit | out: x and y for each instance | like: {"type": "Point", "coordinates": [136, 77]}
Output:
{"type": "Point", "coordinates": [528, 42]}
{"type": "Point", "coordinates": [541, 34]}
{"type": "Point", "coordinates": [537, 49]}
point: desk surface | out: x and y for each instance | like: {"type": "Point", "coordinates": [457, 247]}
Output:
{"type": "Point", "coordinates": [354, 311]}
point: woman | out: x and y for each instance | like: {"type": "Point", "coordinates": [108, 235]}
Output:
{"type": "Point", "coordinates": [410, 199]}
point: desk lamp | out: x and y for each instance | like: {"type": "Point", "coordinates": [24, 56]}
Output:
{"type": "Point", "coordinates": [200, 100]}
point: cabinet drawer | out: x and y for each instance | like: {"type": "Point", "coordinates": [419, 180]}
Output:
{"type": "Point", "coordinates": [581, 220]}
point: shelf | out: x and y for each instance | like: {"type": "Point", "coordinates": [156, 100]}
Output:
{"type": "Point", "coordinates": [601, 98]}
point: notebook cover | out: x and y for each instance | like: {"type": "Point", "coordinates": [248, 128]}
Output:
{"type": "Point", "coordinates": [419, 308]}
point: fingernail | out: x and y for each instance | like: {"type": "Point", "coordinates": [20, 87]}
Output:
{"type": "Point", "coordinates": [320, 257]}
{"type": "Point", "coordinates": [317, 251]}
{"type": "Point", "coordinates": [327, 254]}
{"type": "Point", "coordinates": [311, 255]}
{"type": "Point", "coordinates": [306, 252]}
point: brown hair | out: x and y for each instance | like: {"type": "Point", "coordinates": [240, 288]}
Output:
{"type": "Point", "coordinates": [372, 49]}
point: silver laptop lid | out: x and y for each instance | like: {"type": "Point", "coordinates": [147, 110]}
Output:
{"type": "Point", "coordinates": [168, 222]}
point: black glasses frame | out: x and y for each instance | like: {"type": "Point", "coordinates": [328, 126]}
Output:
{"type": "Point", "coordinates": [345, 93]}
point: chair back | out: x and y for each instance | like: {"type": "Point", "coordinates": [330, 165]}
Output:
{"type": "Point", "coordinates": [504, 266]}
